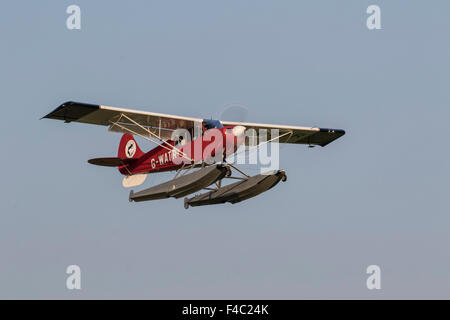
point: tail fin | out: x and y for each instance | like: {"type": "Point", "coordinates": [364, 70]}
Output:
{"type": "Point", "coordinates": [128, 148]}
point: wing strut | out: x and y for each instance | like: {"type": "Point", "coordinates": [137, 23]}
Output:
{"type": "Point", "coordinates": [163, 144]}
{"type": "Point", "coordinates": [263, 143]}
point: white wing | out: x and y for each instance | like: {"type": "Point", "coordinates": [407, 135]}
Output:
{"type": "Point", "coordinates": [162, 125]}
{"type": "Point", "coordinates": [158, 123]}
{"type": "Point", "coordinates": [294, 134]}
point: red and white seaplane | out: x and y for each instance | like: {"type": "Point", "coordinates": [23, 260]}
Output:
{"type": "Point", "coordinates": [184, 144]}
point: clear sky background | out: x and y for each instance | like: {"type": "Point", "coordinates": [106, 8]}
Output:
{"type": "Point", "coordinates": [379, 195]}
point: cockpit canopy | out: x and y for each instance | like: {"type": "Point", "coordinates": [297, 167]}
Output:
{"type": "Point", "coordinates": [210, 124]}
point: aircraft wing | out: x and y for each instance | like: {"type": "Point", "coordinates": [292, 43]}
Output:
{"type": "Point", "coordinates": [293, 134]}
{"type": "Point", "coordinates": [162, 125]}
{"type": "Point", "coordinates": [118, 118]}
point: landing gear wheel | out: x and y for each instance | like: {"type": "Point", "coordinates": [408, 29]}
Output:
{"type": "Point", "coordinates": [186, 203]}
{"type": "Point", "coordinates": [283, 177]}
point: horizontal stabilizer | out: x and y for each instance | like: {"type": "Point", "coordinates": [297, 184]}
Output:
{"type": "Point", "coordinates": [111, 162]}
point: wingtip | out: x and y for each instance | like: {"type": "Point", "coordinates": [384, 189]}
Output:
{"type": "Point", "coordinates": [71, 111]}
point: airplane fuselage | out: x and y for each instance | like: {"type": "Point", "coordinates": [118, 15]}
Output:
{"type": "Point", "coordinates": [214, 145]}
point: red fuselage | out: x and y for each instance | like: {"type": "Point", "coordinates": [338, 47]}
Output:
{"type": "Point", "coordinates": [216, 143]}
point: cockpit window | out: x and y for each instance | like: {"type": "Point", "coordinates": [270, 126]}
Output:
{"type": "Point", "coordinates": [210, 124]}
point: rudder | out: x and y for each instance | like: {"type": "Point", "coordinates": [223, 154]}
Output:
{"type": "Point", "coordinates": [128, 147]}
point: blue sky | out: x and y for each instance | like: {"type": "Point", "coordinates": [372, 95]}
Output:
{"type": "Point", "coordinates": [379, 195]}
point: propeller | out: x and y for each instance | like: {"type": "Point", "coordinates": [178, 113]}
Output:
{"type": "Point", "coordinates": [239, 131]}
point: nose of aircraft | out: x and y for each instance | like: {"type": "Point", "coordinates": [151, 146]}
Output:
{"type": "Point", "coordinates": [238, 131]}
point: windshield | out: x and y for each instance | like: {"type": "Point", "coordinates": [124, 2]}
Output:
{"type": "Point", "coordinates": [210, 124]}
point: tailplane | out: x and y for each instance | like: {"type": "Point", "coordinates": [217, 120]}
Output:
{"type": "Point", "coordinates": [111, 161]}
{"type": "Point", "coordinates": [128, 153]}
